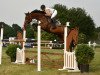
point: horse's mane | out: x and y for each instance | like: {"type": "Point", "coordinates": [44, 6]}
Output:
{"type": "Point", "coordinates": [38, 11]}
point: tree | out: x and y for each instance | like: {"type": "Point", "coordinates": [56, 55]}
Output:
{"type": "Point", "coordinates": [48, 36]}
{"type": "Point", "coordinates": [82, 38]}
{"type": "Point", "coordinates": [77, 17]}
{"type": "Point", "coordinates": [97, 34]}
{"type": "Point", "coordinates": [16, 28]}
{"type": "Point", "coordinates": [97, 29]}
{"type": "Point", "coordinates": [29, 32]}
{"type": "Point", "coordinates": [8, 31]}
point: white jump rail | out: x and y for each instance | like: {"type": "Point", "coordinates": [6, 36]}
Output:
{"type": "Point", "coordinates": [1, 44]}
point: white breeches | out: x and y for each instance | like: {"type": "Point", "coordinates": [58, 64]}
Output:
{"type": "Point", "coordinates": [54, 14]}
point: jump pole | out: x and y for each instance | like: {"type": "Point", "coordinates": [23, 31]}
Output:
{"type": "Point", "coordinates": [24, 38]}
{"type": "Point", "coordinates": [39, 48]}
{"type": "Point", "coordinates": [65, 44]}
{"type": "Point", "coordinates": [1, 38]}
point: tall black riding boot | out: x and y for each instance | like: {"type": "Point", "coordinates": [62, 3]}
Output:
{"type": "Point", "coordinates": [53, 23]}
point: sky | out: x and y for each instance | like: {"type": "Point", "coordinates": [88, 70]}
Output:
{"type": "Point", "coordinates": [13, 11]}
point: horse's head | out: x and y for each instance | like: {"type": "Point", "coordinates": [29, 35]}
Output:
{"type": "Point", "coordinates": [28, 19]}
{"type": "Point", "coordinates": [34, 15]}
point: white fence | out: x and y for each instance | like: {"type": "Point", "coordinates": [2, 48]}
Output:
{"type": "Point", "coordinates": [70, 60]}
{"type": "Point", "coordinates": [19, 56]}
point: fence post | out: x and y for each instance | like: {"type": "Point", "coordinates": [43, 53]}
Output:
{"type": "Point", "coordinates": [39, 49]}
{"type": "Point", "coordinates": [1, 44]}
{"type": "Point", "coordinates": [24, 39]}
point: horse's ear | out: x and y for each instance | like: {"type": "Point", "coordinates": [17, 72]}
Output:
{"type": "Point", "coordinates": [26, 13]}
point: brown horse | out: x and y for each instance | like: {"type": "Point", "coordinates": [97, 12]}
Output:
{"type": "Point", "coordinates": [72, 39]}
{"type": "Point", "coordinates": [45, 24]}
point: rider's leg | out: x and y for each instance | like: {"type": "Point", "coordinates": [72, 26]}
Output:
{"type": "Point", "coordinates": [53, 19]}
{"type": "Point", "coordinates": [53, 23]}
{"type": "Point", "coordinates": [54, 14]}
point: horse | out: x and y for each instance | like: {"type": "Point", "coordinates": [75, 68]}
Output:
{"type": "Point", "coordinates": [45, 23]}
{"type": "Point", "coordinates": [72, 39]}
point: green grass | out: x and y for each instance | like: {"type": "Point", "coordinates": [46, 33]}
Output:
{"type": "Point", "coordinates": [8, 68]}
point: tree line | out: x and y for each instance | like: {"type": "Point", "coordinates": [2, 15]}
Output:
{"type": "Point", "coordinates": [77, 17]}
{"type": "Point", "coordinates": [12, 30]}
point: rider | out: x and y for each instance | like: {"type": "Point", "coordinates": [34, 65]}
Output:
{"type": "Point", "coordinates": [51, 13]}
